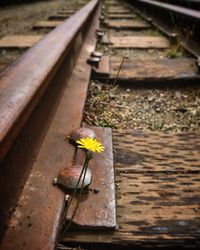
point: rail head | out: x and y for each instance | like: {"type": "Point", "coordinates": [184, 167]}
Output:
{"type": "Point", "coordinates": [187, 13]}
{"type": "Point", "coordinates": [23, 83]}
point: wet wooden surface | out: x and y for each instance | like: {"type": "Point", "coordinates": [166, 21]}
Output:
{"type": "Point", "coordinates": [139, 42]}
{"type": "Point", "coordinates": [128, 24]}
{"type": "Point", "coordinates": [154, 69]}
{"type": "Point", "coordinates": [158, 195]}
{"type": "Point", "coordinates": [21, 41]}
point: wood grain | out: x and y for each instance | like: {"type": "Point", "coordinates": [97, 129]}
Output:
{"type": "Point", "coordinates": [158, 195]}
{"type": "Point", "coordinates": [139, 42]}
{"type": "Point", "coordinates": [121, 16]}
{"type": "Point", "coordinates": [21, 41]}
{"type": "Point", "coordinates": [154, 69]}
{"type": "Point", "coordinates": [127, 24]}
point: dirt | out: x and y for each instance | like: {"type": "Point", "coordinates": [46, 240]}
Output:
{"type": "Point", "coordinates": [167, 110]}
{"type": "Point", "coordinates": [19, 19]}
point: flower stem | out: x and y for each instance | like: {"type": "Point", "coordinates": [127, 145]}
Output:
{"type": "Point", "coordinates": [83, 172]}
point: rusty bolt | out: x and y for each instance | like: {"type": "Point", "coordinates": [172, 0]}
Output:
{"type": "Point", "coordinates": [94, 61]}
{"type": "Point", "coordinates": [81, 133]}
{"type": "Point", "coordinates": [69, 176]}
{"type": "Point", "coordinates": [96, 54]}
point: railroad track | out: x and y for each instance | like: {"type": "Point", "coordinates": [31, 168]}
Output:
{"type": "Point", "coordinates": [156, 163]}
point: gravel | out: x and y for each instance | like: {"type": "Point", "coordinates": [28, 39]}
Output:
{"type": "Point", "coordinates": [167, 110]}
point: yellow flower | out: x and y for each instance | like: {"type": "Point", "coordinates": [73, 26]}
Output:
{"type": "Point", "coordinates": [90, 144]}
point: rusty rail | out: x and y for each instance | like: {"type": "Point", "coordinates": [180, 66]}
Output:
{"type": "Point", "coordinates": [169, 18]}
{"type": "Point", "coordinates": [191, 4]}
{"type": "Point", "coordinates": [22, 83]}
{"type": "Point", "coordinates": [188, 13]}
{"type": "Point", "coordinates": [35, 116]}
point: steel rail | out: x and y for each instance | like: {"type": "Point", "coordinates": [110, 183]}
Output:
{"type": "Point", "coordinates": [167, 26]}
{"type": "Point", "coordinates": [31, 90]}
{"type": "Point", "coordinates": [23, 83]}
{"type": "Point", "coordinates": [188, 13]}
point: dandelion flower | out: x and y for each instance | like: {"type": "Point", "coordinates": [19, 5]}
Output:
{"type": "Point", "coordinates": [90, 144]}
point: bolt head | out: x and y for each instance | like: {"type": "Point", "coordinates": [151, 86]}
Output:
{"type": "Point", "coordinates": [69, 176]}
{"type": "Point", "coordinates": [81, 133]}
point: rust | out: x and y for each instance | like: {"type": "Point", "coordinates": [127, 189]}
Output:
{"type": "Point", "coordinates": [98, 209]}
{"type": "Point", "coordinates": [80, 133]}
{"type": "Point", "coordinates": [35, 222]}
{"type": "Point", "coordinates": [103, 70]}
{"type": "Point", "coordinates": [191, 14]}
{"type": "Point", "coordinates": [28, 85]}
{"type": "Point", "coordinates": [153, 186]}
{"type": "Point", "coordinates": [94, 61]}
{"type": "Point", "coordinates": [69, 176]}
